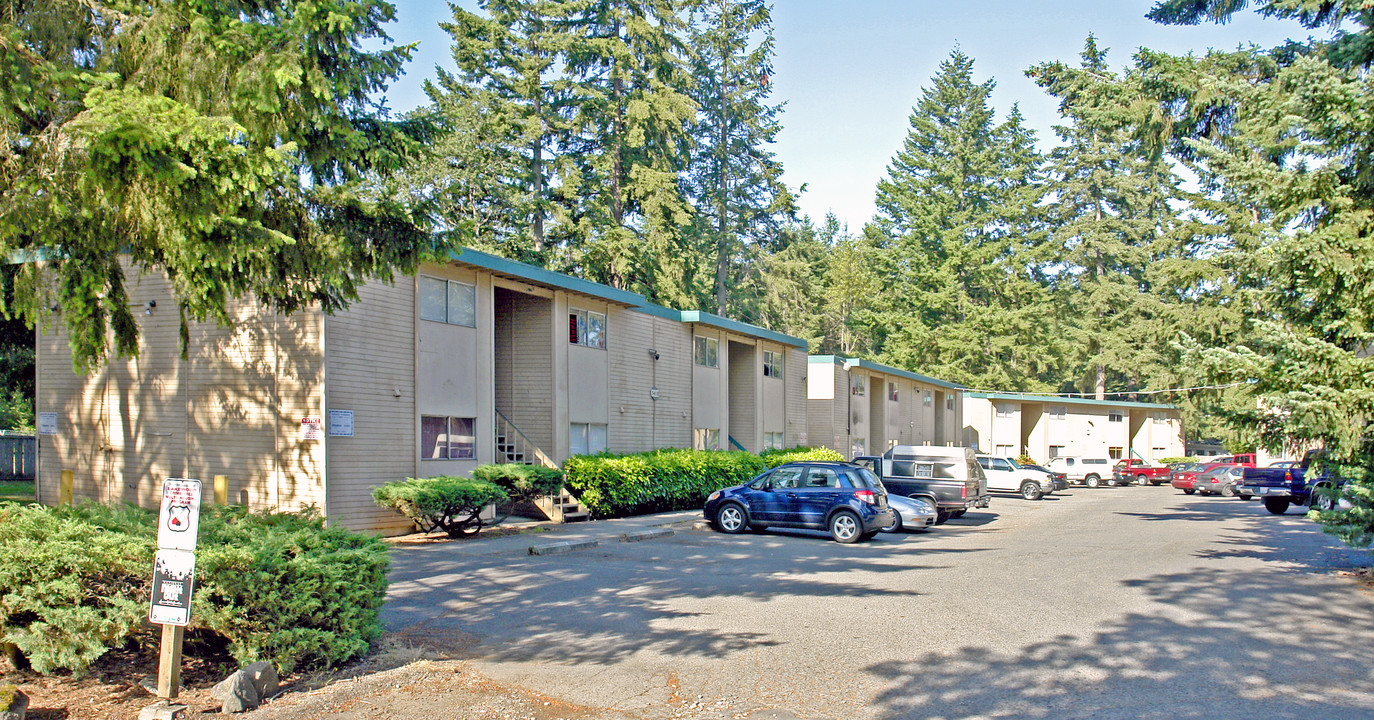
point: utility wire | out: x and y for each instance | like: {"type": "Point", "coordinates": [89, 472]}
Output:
{"type": "Point", "coordinates": [1121, 392]}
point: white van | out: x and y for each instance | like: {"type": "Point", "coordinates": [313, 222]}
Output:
{"type": "Point", "coordinates": [1093, 472]}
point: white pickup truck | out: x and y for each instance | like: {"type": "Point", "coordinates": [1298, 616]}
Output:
{"type": "Point", "coordinates": [1004, 475]}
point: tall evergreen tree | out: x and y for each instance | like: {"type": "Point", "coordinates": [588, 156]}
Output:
{"type": "Point", "coordinates": [630, 115]}
{"type": "Point", "coordinates": [734, 180]}
{"type": "Point", "coordinates": [956, 231]}
{"type": "Point", "coordinates": [504, 110]}
{"type": "Point", "coordinates": [1112, 219]}
{"type": "Point", "coordinates": [219, 143]}
{"type": "Point", "coordinates": [1289, 133]}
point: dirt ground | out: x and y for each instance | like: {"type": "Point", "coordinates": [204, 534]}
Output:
{"type": "Point", "coordinates": [395, 680]}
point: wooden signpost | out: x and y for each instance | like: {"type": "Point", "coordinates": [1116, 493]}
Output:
{"type": "Point", "coordinates": [174, 572]}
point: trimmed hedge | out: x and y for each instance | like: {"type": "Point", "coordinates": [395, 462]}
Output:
{"type": "Point", "coordinates": [774, 458]}
{"type": "Point", "coordinates": [439, 503]}
{"type": "Point", "coordinates": [276, 586]}
{"type": "Point", "coordinates": [618, 485]}
{"type": "Point", "coordinates": [521, 482]}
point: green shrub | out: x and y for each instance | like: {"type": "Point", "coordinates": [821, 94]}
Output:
{"type": "Point", "coordinates": [276, 586]}
{"type": "Point", "coordinates": [521, 482]}
{"type": "Point", "coordinates": [71, 588]}
{"type": "Point", "coordinates": [1026, 460]}
{"type": "Point", "coordinates": [774, 458]}
{"type": "Point", "coordinates": [438, 503]}
{"type": "Point", "coordinates": [285, 588]}
{"type": "Point", "coordinates": [1172, 460]}
{"type": "Point", "coordinates": [619, 485]}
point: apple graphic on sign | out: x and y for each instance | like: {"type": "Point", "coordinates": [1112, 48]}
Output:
{"type": "Point", "coordinates": [178, 517]}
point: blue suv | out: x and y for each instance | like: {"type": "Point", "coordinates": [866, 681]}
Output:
{"type": "Point", "coordinates": [847, 500]}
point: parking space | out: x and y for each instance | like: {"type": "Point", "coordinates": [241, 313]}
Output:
{"type": "Point", "coordinates": [1129, 602]}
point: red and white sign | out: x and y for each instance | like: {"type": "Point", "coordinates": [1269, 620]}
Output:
{"type": "Point", "coordinates": [312, 428]}
{"type": "Point", "coordinates": [178, 522]}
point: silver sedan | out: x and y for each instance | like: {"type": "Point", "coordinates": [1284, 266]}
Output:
{"type": "Point", "coordinates": [910, 513]}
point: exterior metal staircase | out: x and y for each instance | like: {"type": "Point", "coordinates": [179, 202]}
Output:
{"type": "Point", "coordinates": [513, 446]}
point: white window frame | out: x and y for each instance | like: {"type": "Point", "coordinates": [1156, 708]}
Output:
{"type": "Point", "coordinates": [706, 351]}
{"type": "Point", "coordinates": [893, 392]}
{"type": "Point", "coordinates": [584, 333]}
{"type": "Point", "coordinates": [1059, 412]}
{"type": "Point", "coordinates": [1056, 451]}
{"type": "Point", "coordinates": [773, 441]}
{"type": "Point", "coordinates": [858, 385]}
{"type": "Point", "coordinates": [1005, 410]}
{"type": "Point", "coordinates": [772, 364]}
{"type": "Point", "coordinates": [1116, 453]}
{"type": "Point", "coordinates": [449, 439]}
{"type": "Point", "coordinates": [1161, 418]}
{"type": "Point", "coordinates": [705, 438]}
{"type": "Point", "coordinates": [929, 398]}
{"type": "Point", "coordinates": [586, 438]}
{"type": "Point", "coordinates": [1000, 452]}
{"type": "Point", "coordinates": [1115, 416]}
{"type": "Point", "coordinates": [450, 313]}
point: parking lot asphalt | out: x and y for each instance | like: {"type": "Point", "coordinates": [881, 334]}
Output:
{"type": "Point", "coordinates": [1111, 603]}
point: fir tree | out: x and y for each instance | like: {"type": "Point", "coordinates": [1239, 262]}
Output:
{"type": "Point", "coordinates": [1289, 135]}
{"type": "Point", "coordinates": [734, 179]}
{"type": "Point", "coordinates": [956, 232]}
{"type": "Point", "coordinates": [218, 143]}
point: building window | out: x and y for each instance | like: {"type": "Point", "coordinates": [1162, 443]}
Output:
{"type": "Point", "coordinates": [892, 391]}
{"type": "Point", "coordinates": [1059, 412]}
{"type": "Point", "coordinates": [856, 448]}
{"type": "Point", "coordinates": [949, 402]}
{"type": "Point", "coordinates": [1006, 410]}
{"type": "Point", "coordinates": [1114, 453]}
{"type": "Point", "coordinates": [1159, 453]}
{"type": "Point", "coordinates": [447, 438]}
{"type": "Point", "coordinates": [706, 351]}
{"type": "Point", "coordinates": [1113, 416]}
{"type": "Point", "coordinates": [772, 364]}
{"type": "Point", "coordinates": [706, 439]}
{"type": "Point", "coordinates": [586, 438]}
{"type": "Point", "coordinates": [448, 301]}
{"type": "Point", "coordinates": [858, 385]}
{"type": "Point", "coordinates": [928, 398]}
{"type": "Point", "coordinates": [1056, 451]}
{"type": "Point", "coordinates": [1161, 418]}
{"type": "Point", "coordinates": [1003, 451]}
{"type": "Point", "coordinates": [772, 441]}
{"type": "Point", "coordinates": [587, 328]}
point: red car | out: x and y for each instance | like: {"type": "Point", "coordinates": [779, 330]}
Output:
{"type": "Point", "coordinates": [1185, 476]}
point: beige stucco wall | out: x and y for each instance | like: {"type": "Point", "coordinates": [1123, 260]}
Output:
{"type": "Point", "coordinates": [710, 387]}
{"type": "Point", "coordinates": [1085, 430]}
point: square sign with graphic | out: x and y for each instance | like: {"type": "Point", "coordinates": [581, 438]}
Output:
{"type": "Point", "coordinates": [173, 573]}
{"type": "Point", "coordinates": [178, 522]}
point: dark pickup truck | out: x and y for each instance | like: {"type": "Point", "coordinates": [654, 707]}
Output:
{"type": "Point", "coordinates": [1281, 488]}
{"type": "Point", "coordinates": [947, 477]}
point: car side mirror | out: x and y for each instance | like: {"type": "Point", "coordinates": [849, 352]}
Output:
{"type": "Point", "coordinates": [767, 485]}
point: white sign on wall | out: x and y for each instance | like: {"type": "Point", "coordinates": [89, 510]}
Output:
{"type": "Point", "coordinates": [341, 423]}
{"type": "Point", "coordinates": [312, 428]}
{"type": "Point", "coordinates": [47, 423]}
{"type": "Point", "coordinates": [178, 521]}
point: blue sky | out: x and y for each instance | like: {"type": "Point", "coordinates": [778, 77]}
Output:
{"type": "Point", "coordinates": [850, 72]}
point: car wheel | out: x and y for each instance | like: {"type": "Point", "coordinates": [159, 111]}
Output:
{"type": "Point", "coordinates": [845, 527]}
{"type": "Point", "coordinates": [1325, 503]}
{"type": "Point", "coordinates": [1092, 481]}
{"type": "Point", "coordinates": [1142, 480]}
{"type": "Point", "coordinates": [1277, 506]}
{"type": "Point", "coordinates": [1030, 491]}
{"type": "Point", "coordinates": [730, 519]}
{"type": "Point", "coordinates": [1228, 491]}
{"type": "Point", "coordinates": [896, 521]}
{"type": "Point", "coordinates": [941, 516]}
{"type": "Point", "coordinates": [1189, 492]}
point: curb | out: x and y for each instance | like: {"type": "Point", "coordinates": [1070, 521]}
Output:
{"type": "Point", "coordinates": [645, 535]}
{"type": "Point", "coordinates": [562, 547]}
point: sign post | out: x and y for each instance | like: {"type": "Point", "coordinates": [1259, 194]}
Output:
{"type": "Point", "coordinates": [174, 573]}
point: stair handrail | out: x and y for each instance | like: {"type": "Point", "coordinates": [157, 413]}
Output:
{"type": "Point", "coordinates": [527, 445]}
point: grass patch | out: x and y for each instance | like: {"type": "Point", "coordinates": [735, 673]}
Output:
{"type": "Point", "coordinates": [17, 491]}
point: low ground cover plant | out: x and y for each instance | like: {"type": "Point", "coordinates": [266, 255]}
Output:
{"type": "Point", "coordinates": [446, 503]}
{"type": "Point", "coordinates": [270, 586]}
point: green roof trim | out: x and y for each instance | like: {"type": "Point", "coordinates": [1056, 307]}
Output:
{"type": "Point", "coordinates": [705, 318]}
{"type": "Point", "coordinates": [1024, 397]}
{"type": "Point", "coordinates": [879, 367]}
{"type": "Point", "coordinates": [547, 278]}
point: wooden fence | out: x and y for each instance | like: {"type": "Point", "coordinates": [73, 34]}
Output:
{"type": "Point", "coordinates": [18, 457]}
